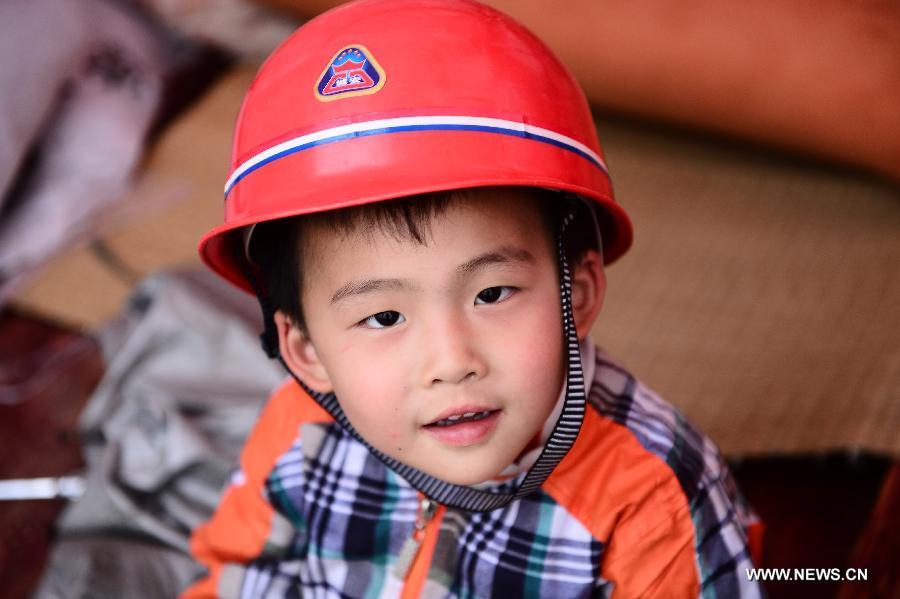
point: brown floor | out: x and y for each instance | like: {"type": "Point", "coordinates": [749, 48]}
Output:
{"type": "Point", "coordinates": [829, 511]}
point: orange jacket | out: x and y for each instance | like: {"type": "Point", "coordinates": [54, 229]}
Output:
{"type": "Point", "coordinates": [647, 497]}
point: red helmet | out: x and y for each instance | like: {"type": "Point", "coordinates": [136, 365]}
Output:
{"type": "Point", "coordinates": [381, 99]}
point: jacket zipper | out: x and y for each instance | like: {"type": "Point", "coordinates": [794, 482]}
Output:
{"type": "Point", "coordinates": [410, 550]}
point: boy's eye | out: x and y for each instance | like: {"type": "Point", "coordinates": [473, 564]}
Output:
{"type": "Point", "coordinates": [492, 295]}
{"type": "Point", "coordinates": [383, 320]}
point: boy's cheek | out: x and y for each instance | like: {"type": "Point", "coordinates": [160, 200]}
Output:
{"type": "Point", "coordinates": [542, 362]}
{"type": "Point", "coordinates": [353, 344]}
{"type": "Point", "coordinates": [373, 405]}
{"type": "Point", "coordinates": [376, 425]}
{"type": "Point", "coordinates": [393, 436]}
{"type": "Point", "coordinates": [536, 344]}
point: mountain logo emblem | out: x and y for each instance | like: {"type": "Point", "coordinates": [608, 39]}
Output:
{"type": "Point", "coordinates": [353, 71]}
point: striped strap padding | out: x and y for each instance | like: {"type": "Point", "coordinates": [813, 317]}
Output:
{"type": "Point", "coordinates": [411, 123]}
{"type": "Point", "coordinates": [558, 443]}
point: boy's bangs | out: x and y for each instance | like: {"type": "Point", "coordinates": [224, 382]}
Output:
{"type": "Point", "coordinates": [405, 219]}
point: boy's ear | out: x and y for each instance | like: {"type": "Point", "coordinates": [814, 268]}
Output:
{"type": "Point", "coordinates": [588, 291]}
{"type": "Point", "coordinates": [298, 353]}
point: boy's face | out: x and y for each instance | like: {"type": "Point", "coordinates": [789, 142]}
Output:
{"type": "Point", "coordinates": [446, 356]}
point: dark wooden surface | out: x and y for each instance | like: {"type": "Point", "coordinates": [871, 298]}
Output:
{"type": "Point", "coordinates": [46, 375]}
{"type": "Point", "coordinates": [815, 509]}
{"type": "Point", "coordinates": [878, 545]}
{"type": "Point", "coordinates": [820, 511]}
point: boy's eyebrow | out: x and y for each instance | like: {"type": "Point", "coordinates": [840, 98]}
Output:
{"type": "Point", "coordinates": [366, 286]}
{"type": "Point", "coordinates": [502, 255]}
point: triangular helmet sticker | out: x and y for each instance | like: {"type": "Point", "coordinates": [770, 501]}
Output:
{"type": "Point", "coordinates": [352, 71]}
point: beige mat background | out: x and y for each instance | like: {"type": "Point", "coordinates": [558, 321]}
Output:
{"type": "Point", "coordinates": [762, 294]}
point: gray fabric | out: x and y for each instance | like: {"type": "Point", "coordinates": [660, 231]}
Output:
{"type": "Point", "coordinates": [185, 381]}
{"type": "Point", "coordinates": [96, 567]}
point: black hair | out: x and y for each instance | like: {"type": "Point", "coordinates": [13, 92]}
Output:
{"type": "Point", "coordinates": [276, 250]}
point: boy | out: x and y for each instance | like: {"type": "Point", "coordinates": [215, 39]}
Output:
{"type": "Point", "coordinates": [419, 201]}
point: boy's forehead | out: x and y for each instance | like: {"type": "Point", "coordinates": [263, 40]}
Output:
{"type": "Point", "coordinates": [470, 221]}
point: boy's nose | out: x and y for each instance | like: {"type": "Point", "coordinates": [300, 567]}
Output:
{"type": "Point", "coordinates": [450, 356]}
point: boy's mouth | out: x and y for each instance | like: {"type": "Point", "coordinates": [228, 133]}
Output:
{"type": "Point", "coordinates": [463, 427]}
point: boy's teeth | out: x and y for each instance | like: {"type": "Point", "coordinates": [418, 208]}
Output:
{"type": "Point", "coordinates": [469, 416]}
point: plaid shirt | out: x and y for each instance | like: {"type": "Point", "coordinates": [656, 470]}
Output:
{"type": "Point", "coordinates": [642, 506]}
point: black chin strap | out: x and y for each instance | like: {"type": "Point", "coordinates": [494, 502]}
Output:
{"type": "Point", "coordinates": [457, 496]}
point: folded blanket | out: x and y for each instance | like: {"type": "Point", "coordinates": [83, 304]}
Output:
{"type": "Point", "coordinates": [185, 379]}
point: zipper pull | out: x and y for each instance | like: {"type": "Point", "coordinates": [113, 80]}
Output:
{"type": "Point", "coordinates": [411, 546]}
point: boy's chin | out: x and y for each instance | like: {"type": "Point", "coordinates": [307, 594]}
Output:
{"type": "Point", "coordinates": [463, 481]}
{"type": "Point", "coordinates": [462, 474]}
